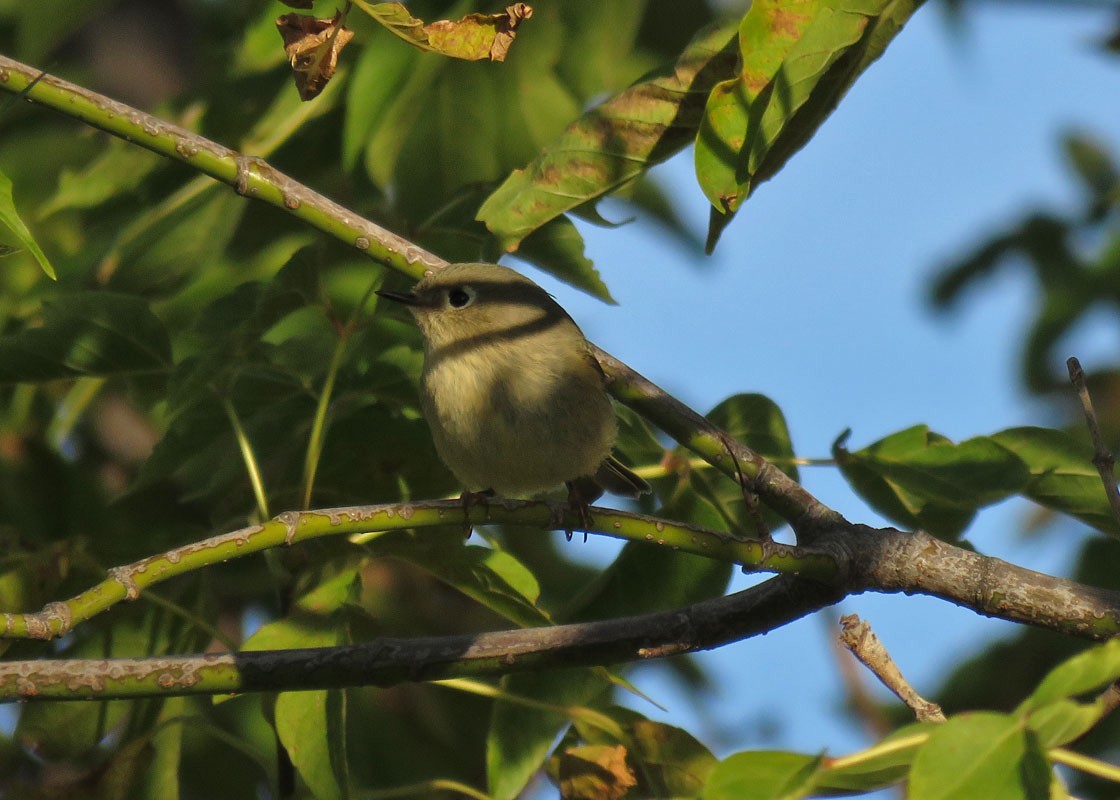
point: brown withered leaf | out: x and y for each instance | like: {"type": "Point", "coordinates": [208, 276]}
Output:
{"type": "Point", "coordinates": [475, 37]}
{"type": "Point", "coordinates": [593, 772]}
{"type": "Point", "coordinates": [312, 46]}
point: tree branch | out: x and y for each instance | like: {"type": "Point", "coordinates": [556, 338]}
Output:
{"type": "Point", "coordinates": [291, 527]}
{"type": "Point", "coordinates": [388, 661]}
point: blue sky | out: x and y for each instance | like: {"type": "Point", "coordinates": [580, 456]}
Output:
{"type": "Point", "coordinates": [816, 298]}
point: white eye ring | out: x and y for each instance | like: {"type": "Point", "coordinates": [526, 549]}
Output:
{"type": "Point", "coordinates": [461, 296]}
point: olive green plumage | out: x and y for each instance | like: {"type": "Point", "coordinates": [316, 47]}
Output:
{"type": "Point", "coordinates": [515, 399]}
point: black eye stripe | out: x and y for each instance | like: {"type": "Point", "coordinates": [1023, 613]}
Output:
{"type": "Point", "coordinates": [458, 297]}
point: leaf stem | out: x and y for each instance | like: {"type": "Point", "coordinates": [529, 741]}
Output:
{"type": "Point", "coordinates": [248, 457]}
{"type": "Point", "coordinates": [1092, 766]}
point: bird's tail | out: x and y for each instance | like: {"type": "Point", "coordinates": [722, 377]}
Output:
{"type": "Point", "coordinates": [616, 478]}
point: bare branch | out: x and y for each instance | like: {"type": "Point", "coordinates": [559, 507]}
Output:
{"type": "Point", "coordinates": [858, 637]}
{"type": "Point", "coordinates": [1103, 459]}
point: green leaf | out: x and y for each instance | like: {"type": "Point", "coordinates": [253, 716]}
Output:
{"type": "Point", "coordinates": [798, 59]}
{"type": "Point", "coordinates": [922, 480]}
{"type": "Point", "coordinates": [474, 37]}
{"type": "Point", "coordinates": [674, 763]}
{"type": "Point", "coordinates": [762, 775]}
{"type": "Point", "coordinates": [520, 737]}
{"type": "Point", "coordinates": [758, 421]}
{"type": "Point", "coordinates": [1062, 475]}
{"type": "Point", "coordinates": [162, 780]}
{"type": "Point", "coordinates": [314, 621]}
{"type": "Point", "coordinates": [378, 76]}
{"type": "Point", "coordinates": [1060, 722]}
{"type": "Point", "coordinates": [986, 756]}
{"type": "Point", "coordinates": [1085, 672]}
{"type": "Point", "coordinates": [614, 142]}
{"type": "Point", "coordinates": [92, 333]}
{"type": "Point", "coordinates": [876, 771]}
{"type": "Point", "coordinates": [557, 248]}
{"type": "Point", "coordinates": [121, 167]}
{"type": "Point", "coordinates": [310, 725]}
{"type": "Point", "coordinates": [10, 219]}
{"type": "Point", "coordinates": [494, 578]}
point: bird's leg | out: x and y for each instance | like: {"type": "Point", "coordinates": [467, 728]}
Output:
{"type": "Point", "coordinates": [469, 501]}
{"type": "Point", "coordinates": [581, 493]}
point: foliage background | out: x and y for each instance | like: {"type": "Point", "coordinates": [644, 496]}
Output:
{"type": "Point", "coordinates": [818, 289]}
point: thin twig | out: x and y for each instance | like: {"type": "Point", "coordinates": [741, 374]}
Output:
{"type": "Point", "coordinates": [861, 699]}
{"type": "Point", "coordinates": [858, 637]}
{"type": "Point", "coordinates": [1103, 459]}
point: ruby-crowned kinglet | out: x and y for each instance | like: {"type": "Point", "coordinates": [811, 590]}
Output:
{"type": "Point", "coordinates": [516, 402]}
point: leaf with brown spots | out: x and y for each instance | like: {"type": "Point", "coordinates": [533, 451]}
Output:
{"type": "Point", "coordinates": [594, 772]}
{"type": "Point", "coordinates": [475, 37]}
{"type": "Point", "coordinates": [798, 59]}
{"type": "Point", "coordinates": [613, 143]}
{"type": "Point", "coordinates": [312, 46]}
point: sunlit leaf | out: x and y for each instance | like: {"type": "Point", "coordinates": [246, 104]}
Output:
{"type": "Point", "coordinates": [765, 775]}
{"type": "Point", "coordinates": [986, 755]}
{"type": "Point", "coordinates": [613, 142]}
{"type": "Point", "coordinates": [474, 37]}
{"type": "Point", "coordinates": [798, 59]}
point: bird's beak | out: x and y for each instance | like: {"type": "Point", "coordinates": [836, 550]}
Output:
{"type": "Point", "coordinates": [404, 298]}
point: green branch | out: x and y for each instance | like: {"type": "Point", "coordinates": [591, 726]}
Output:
{"type": "Point", "coordinates": [126, 582]}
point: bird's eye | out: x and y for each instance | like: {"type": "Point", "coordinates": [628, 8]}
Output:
{"type": "Point", "coordinates": [460, 297]}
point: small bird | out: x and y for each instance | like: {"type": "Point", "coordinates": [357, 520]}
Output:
{"type": "Point", "coordinates": [516, 401]}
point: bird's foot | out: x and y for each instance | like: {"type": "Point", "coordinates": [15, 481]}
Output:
{"type": "Point", "coordinates": [580, 503]}
{"type": "Point", "coordinates": [469, 501]}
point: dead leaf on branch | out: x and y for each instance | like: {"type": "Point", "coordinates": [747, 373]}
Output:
{"type": "Point", "coordinates": [475, 37]}
{"type": "Point", "coordinates": [313, 46]}
{"type": "Point", "coordinates": [593, 772]}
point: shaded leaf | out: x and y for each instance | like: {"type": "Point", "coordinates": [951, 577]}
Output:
{"type": "Point", "coordinates": [614, 142]}
{"type": "Point", "coordinates": [374, 85]}
{"type": "Point", "coordinates": [120, 168]}
{"type": "Point", "coordinates": [474, 37]}
{"type": "Point", "coordinates": [981, 755]}
{"type": "Point", "coordinates": [10, 219]}
{"type": "Point", "coordinates": [799, 57]}
{"type": "Point", "coordinates": [91, 333]}
{"type": "Point", "coordinates": [557, 248]}
{"type": "Point", "coordinates": [521, 738]}
{"type": "Point", "coordinates": [307, 724]}
{"type": "Point", "coordinates": [922, 480]}
{"type": "Point", "coordinates": [673, 762]}
{"type": "Point", "coordinates": [313, 46]}
{"type": "Point", "coordinates": [1062, 475]}
{"type": "Point", "coordinates": [494, 578]}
